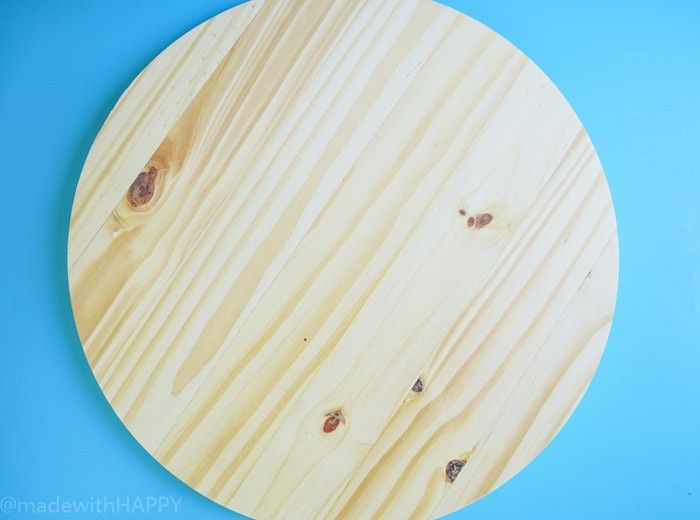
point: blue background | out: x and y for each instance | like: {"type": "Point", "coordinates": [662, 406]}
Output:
{"type": "Point", "coordinates": [631, 70]}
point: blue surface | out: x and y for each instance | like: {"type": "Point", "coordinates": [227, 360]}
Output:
{"type": "Point", "coordinates": [631, 70]}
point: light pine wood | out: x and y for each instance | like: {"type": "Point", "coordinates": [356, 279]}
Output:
{"type": "Point", "coordinates": [305, 211]}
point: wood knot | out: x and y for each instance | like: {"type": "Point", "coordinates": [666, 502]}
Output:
{"type": "Point", "coordinates": [143, 188]}
{"type": "Point", "coordinates": [418, 385]}
{"type": "Point", "coordinates": [453, 468]}
{"type": "Point", "coordinates": [480, 220]}
{"type": "Point", "coordinates": [333, 420]}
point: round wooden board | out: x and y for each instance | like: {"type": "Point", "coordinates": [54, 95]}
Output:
{"type": "Point", "coordinates": [343, 259]}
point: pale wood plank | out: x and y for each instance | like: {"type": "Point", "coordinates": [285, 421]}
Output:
{"type": "Point", "coordinates": [344, 198]}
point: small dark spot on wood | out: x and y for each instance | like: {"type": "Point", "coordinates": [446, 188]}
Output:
{"type": "Point", "coordinates": [143, 188]}
{"type": "Point", "coordinates": [470, 222]}
{"type": "Point", "coordinates": [418, 385]}
{"type": "Point", "coordinates": [453, 468]}
{"type": "Point", "coordinates": [305, 339]}
{"type": "Point", "coordinates": [482, 219]}
{"type": "Point", "coordinates": [462, 212]}
{"type": "Point", "coordinates": [333, 420]}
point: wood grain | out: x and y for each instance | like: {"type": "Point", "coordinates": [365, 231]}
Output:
{"type": "Point", "coordinates": [322, 250]}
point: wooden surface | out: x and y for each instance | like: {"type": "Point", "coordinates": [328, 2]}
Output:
{"type": "Point", "coordinates": [343, 259]}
